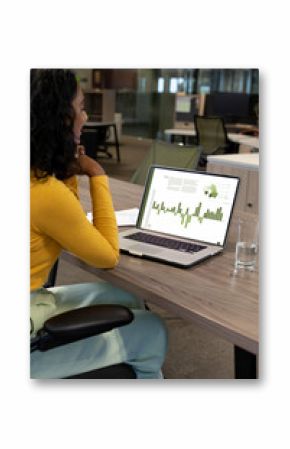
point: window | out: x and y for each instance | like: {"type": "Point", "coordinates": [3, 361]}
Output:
{"type": "Point", "coordinates": [142, 84]}
{"type": "Point", "coordinates": [204, 89]}
{"type": "Point", "coordinates": [160, 85]}
{"type": "Point", "coordinates": [176, 85]}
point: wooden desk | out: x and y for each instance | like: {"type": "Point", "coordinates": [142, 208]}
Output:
{"type": "Point", "coordinates": [206, 294]}
{"type": "Point", "coordinates": [96, 125]}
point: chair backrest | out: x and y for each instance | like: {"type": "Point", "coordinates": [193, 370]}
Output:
{"type": "Point", "coordinates": [211, 133]}
{"type": "Point", "coordinates": [52, 276]}
{"type": "Point", "coordinates": [166, 154]}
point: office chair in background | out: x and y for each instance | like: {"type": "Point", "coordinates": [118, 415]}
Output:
{"type": "Point", "coordinates": [82, 323]}
{"type": "Point", "coordinates": [167, 154]}
{"type": "Point", "coordinates": [212, 137]}
{"type": "Point", "coordinates": [96, 141]}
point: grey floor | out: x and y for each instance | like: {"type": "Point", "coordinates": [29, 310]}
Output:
{"type": "Point", "coordinates": [193, 352]}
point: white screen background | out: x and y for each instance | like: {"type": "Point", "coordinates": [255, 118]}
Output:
{"type": "Point", "coordinates": [197, 198]}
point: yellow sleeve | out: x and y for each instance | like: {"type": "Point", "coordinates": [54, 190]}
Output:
{"type": "Point", "coordinates": [61, 217]}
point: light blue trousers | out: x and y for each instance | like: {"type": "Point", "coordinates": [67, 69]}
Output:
{"type": "Point", "coordinates": [141, 344]}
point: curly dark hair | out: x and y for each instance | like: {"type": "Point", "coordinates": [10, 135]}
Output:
{"type": "Point", "coordinates": [52, 118]}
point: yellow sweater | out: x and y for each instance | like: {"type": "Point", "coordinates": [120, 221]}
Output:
{"type": "Point", "coordinates": [58, 221]}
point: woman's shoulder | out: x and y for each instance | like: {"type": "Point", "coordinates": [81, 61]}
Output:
{"type": "Point", "coordinates": [47, 184]}
{"type": "Point", "coordinates": [48, 195]}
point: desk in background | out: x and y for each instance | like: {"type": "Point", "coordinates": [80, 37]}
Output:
{"type": "Point", "coordinates": [246, 167]}
{"type": "Point", "coordinates": [106, 125]}
{"type": "Point", "coordinates": [248, 141]}
{"type": "Point", "coordinates": [183, 133]}
{"type": "Point", "coordinates": [243, 128]}
{"type": "Point", "coordinates": [206, 294]}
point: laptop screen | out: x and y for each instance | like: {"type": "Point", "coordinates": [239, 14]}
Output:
{"type": "Point", "coordinates": [188, 204]}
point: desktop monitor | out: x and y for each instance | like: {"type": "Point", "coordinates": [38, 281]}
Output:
{"type": "Point", "coordinates": [186, 107]}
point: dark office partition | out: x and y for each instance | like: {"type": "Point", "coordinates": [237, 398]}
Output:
{"type": "Point", "coordinates": [233, 107]}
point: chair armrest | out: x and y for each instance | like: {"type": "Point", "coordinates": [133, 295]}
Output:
{"type": "Point", "coordinates": [80, 323]}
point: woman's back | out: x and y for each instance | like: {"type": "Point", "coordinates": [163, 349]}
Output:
{"type": "Point", "coordinates": [57, 221]}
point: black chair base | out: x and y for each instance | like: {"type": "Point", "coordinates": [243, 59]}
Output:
{"type": "Point", "coordinates": [120, 371]}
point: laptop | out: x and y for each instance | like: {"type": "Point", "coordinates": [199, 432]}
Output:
{"type": "Point", "coordinates": [184, 216]}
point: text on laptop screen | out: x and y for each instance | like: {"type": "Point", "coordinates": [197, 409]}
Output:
{"type": "Point", "coordinates": [188, 204]}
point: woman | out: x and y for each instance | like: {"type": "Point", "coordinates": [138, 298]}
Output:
{"type": "Point", "coordinates": [59, 222]}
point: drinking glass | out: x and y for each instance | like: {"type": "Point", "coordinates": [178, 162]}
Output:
{"type": "Point", "coordinates": [247, 245]}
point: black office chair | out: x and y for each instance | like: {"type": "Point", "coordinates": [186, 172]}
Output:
{"type": "Point", "coordinates": [81, 323]}
{"type": "Point", "coordinates": [212, 137]}
{"type": "Point", "coordinates": [96, 141]}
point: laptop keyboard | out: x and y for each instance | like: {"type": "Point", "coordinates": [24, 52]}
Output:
{"type": "Point", "coordinates": [165, 243]}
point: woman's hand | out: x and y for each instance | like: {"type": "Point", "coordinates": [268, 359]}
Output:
{"type": "Point", "coordinates": [88, 166]}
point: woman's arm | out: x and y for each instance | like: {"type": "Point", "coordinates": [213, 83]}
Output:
{"type": "Point", "coordinates": [59, 215]}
